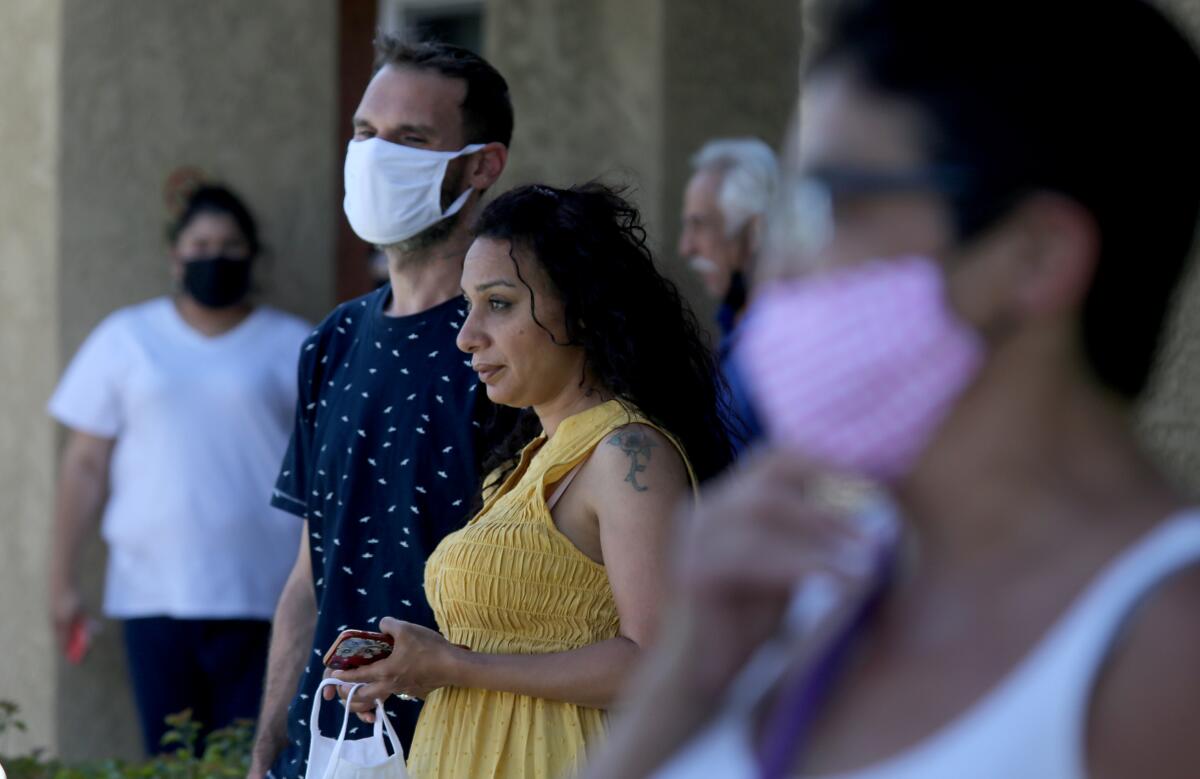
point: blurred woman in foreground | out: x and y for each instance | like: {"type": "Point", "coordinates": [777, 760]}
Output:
{"type": "Point", "coordinates": [982, 250]}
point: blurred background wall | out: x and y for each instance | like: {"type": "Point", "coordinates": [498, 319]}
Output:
{"type": "Point", "coordinates": [1170, 416]}
{"type": "Point", "coordinates": [103, 100]}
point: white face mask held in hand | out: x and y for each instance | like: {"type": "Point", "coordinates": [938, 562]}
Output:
{"type": "Point", "coordinates": [364, 758]}
{"type": "Point", "coordinates": [394, 191]}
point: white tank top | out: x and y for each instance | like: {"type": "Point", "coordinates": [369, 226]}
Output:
{"type": "Point", "coordinates": [1031, 724]}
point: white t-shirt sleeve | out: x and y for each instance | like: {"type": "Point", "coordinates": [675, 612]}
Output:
{"type": "Point", "coordinates": [88, 397]}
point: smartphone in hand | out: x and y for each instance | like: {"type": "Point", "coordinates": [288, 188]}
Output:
{"type": "Point", "coordinates": [356, 648]}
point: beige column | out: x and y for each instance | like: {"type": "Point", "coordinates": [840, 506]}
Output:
{"type": "Point", "coordinates": [1170, 415]}
{"type": "Point", "coordinates": [30, 49]}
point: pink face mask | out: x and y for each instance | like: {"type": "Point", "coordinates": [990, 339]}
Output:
{"type": "Point", "coordinates": [857, 367]}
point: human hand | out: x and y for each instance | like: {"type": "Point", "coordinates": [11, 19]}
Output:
{"type": "Point", "coordinates": [754, 536]}
{"type": "Point", "coordinates": [66, 610]}
{"type": "Point", "coordinates": [420, 662]}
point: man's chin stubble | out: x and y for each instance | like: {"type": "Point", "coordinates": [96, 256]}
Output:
{"type": "Point", "coordinates": [431, 236]}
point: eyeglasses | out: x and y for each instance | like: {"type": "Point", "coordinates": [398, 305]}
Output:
{"type": "Point", "coordinates": [803, 214]}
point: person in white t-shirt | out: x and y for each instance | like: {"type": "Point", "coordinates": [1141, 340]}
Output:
{"type": "Point", "coordinates": [178, 412]}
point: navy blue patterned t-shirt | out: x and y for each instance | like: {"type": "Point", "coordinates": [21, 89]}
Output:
{"type": "Point", "coordinates": [382, 464]}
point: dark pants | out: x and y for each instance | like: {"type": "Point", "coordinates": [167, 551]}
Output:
{"type": "Point", "coordinates": [214, 667]}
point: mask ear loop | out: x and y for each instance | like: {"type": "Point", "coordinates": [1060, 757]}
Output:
{"type": "Point", "coordinates": [461, 200]}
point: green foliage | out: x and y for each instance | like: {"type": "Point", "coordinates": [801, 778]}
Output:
{"type": "Point", "coordinates": [226, 753]}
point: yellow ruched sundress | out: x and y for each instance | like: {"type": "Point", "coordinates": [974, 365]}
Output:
{"type": "Point", "coordinates": [511, 583]}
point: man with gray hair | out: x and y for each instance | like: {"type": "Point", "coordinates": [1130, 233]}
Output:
{"type": "Point", "coordinates": [724, 208]}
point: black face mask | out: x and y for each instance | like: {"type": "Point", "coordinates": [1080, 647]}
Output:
{"type": "Point", "coordinates": [217, 282]}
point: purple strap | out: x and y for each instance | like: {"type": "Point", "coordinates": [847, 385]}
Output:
{"type": "Point", "coordinates": [791, 718]}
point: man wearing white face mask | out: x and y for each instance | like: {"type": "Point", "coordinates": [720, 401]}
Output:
{"type": "Point", "coordinates": [383, 458]}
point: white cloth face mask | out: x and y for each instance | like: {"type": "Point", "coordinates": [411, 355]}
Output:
{"type": "Point", "coordinates": [364, 758]}
{"type": "Point", "coordinates": [393, 192]}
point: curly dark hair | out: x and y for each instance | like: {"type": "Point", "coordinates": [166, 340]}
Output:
{"type": "Point", "coordinates": [640, 338]}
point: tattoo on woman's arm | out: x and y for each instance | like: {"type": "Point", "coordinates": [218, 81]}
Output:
{"type": "Point", "coordinates": [637, 446]}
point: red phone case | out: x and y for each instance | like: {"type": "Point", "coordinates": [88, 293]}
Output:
{"type": "Point", "coordinates": [356, 648]}
{"type": "Point", "coordinates": [79, 641]}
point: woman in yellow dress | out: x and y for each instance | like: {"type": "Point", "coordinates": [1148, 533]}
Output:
{"type": "Point", "coordinates": [546, 599]}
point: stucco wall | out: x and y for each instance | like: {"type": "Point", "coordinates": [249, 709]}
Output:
{"type": "Point", "coordinates": [1170, 418]}
{"type": "Point", "coordinates": [29, 132]}
{"type": "Point", "coordinates": [244, 91]}
{"type": "Point", "coordinates": [627, 90]}
{"type": "Point", "coordinates": [586, 82]}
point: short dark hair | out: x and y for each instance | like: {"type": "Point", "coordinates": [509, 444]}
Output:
{"type": "Point", "coordinates": [216, 199]}
{"type": "Point", "coordinates": [487, 108]}
{"type": "Point", "coordinates": [1093, 99]}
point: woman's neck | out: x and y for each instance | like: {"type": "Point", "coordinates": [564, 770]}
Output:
{"type": "Point", "coordinates": [427, 277]}
{"type": "Point", "coordinates": [572, 401]}
{"type": "Point", "coordinates": [1025, 460]}
{"type": "Point", "coordinates": [211, 321]}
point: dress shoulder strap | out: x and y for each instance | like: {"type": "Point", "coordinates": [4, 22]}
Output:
{"type": "Point", "coordinates": [1096, 623]}
{"type": "Point", "coordinates": [577, 437]}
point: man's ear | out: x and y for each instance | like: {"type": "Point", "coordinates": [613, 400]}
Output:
{"type": "Point", "coordinates": [1061, 242]}
{"type": "Point", "coordinates": [486, 165]}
